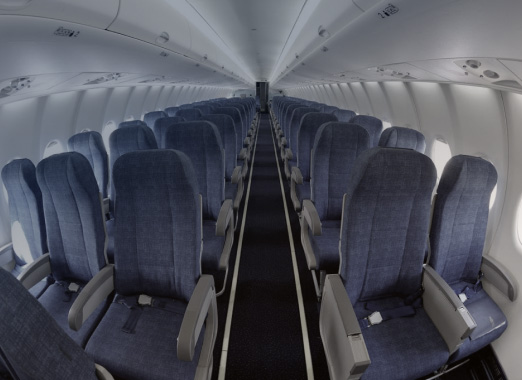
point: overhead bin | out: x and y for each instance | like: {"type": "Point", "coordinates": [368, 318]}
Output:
{"type": "Point", "coordinates": [95, 13]}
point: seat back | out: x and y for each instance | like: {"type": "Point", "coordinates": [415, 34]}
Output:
{"type": "Point", "coordinates": [189, 114]}
{"type": "Point", "coordinates": [32, 345]}
{"type": "Point", "coordinates": [236, 116]}
{"type": "Point", "coordinates": [204, 108]}
{"type": "Point", "coordinates": [385, 223]}
{"type": "Point", "coordinates": [25, 210]}
{"type": "Point", "coordinates": [460, 218]}
{"type": "Point", "coordinates": [399, 137]}
{"type": "Point", "coordinates": [227, 132]}
{"type": "Point", "coordinates": [171, 111]}
{"type": "Point", "coordinates": [73, 215]}
{"type": "Point", "coordinates": [287, 118]}
{"type": "Point", "coordinates": [337, 145]}
{"type": "Point", "coordinates": [160, 128]}
{"type": "Point", "coordinates": [131, 123]}
{"type": "Point", "coordinates": [200, 141]}
{"type": "Point", "coordinates": [372, 125]}
{"type": "Point", "coordinates": [328, 109]}
{"type": "Point", "coordinates": [295, 123]}
{"type": "Point", "coordinates": [344, 115]}
{"type": "Point", "coordinates": [158, 241]}
{"type": "Point", "coordinates": [150, 117]}
{"type": "Point", "coordinates": [126, 140]}
{"type": "Point", "coordinates": [91, 145]}
{"type": "Point", "coordinates": [310, 124]}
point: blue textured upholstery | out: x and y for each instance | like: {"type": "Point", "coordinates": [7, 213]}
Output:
{"type": "Point", "coordinates": [337, 145]}
{"type": "Point", "coordinates": [310, 124]}
{"type": "Point", "coordinates": [131, 123]}
{"type": "Point", "coordinates": [399, 137]}
{"type": "Point", "coordinates": [460, 218]}
{"type": "Point", "coordinates": [185, 106]}
{"type": "Point", "coordinates": [75, 233]}
{"type": "Point", "coordinates": [189, 114]}
{"type": "Point", "coordinates": [244, 114]}
{"type": "Point", "coordinates": [31, 343]}
{"type": "Point", "coordinates": [171, 111]}
{"type": "Point", "coordinates": [91, 145]}
{"type": "Point", "coordinates": [344, 115]}
{"type": "Point", "coordinates": [328, 109]}
{"type": "Point", "coordinates": [201, 142]}
{"type": "Point", "coordinates": [236, 116]}
{"type": "Point", "coordinates": [204, 108]}
{"type": "Point", "coordinates": [287, 118]}
{"type": "Point", "coordinates": [383, 239]}
{"type": "Point", "coordinates": [150, 117]}
{"type": "Point", "coordinates": [157, 252]}
{"type": "Point", "coordinates": [25, 211]}
{"type": "Point", "coordinates": [227, 132]}
{"type": "Point", "coordinates": [372, 125]}
{"type": "Point", "coordinates": [295, 124]}
{"type": "Point", "coordinates": [160, 128]}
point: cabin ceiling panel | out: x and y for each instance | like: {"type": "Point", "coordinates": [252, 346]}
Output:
{"type": "Point", "coordinates": [255, 30]}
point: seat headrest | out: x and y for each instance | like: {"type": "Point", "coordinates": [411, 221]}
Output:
{"type": "Point", "coordinates": [399, 137]}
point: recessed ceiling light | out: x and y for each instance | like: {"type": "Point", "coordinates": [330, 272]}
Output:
{"type": "Point", "coordinates": [323, 32]}
{"type": "Point", "coordinates": [163, 38]}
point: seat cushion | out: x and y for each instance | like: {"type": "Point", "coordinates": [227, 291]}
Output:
{"type": "Point", "coordinates": [54, 299]}
{"type": "Point", "coordinates": [148, 353]}
{"type": "Point", "coordinates": [230, 190]}
{"type": "Point", "coordinates": [212, 248]}
{"type": "Point", "coordinates": [491, 323]}
{"type": "Point", "coordinates": [326, 246]}
{"type": "Point", "coordinates": [403, 348]}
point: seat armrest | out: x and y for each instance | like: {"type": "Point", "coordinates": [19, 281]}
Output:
{"type": "Point", "coordinates": [106, 203]}
{"type": "Point", "coordinates": [201, 308]}
{"type": "Point", "coordinates": [297, 177]}
{"type": "Point", "coordinates": [310, 215]}
{"type": "Point", "coordinates": [283, 141]}
{"type": "Point", "coordinates": [225, 227]}
{"type": "Point", "coordinates": [341, 334]}
{"type": "Point", "coordinates": [7, 259]}
{"type": "Point", "coordinates": [102, 373]}
{"type": "Point", "coordinates": [243, 154]}
{"type": "Point", "coordinates": [289, 155]}
{"type": "Point", "coordinates": [36, 271]}
{"type": "Point", "coordinates": [96, 291]}
{"type": "Point", "coordinates": [498, 275]}
{"type": "Point", "coordinates": [446, 310]}
{"type": "Point", "coordinates": [247, 141]}
{"type": "Point", "coordinates": [236, 175]}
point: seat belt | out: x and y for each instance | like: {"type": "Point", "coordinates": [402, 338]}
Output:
{"type": "Point", "coordinates": [71, 288]}
{"type": "Point", "coordinates": [136, 304]}
{"type": "Point", "coordinates": [407, 309]}
{"type": "Point", "coordinates": [468, 292]}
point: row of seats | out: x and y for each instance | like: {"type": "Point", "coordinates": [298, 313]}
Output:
{"type": "Point", "coordinates": [170, 211]}
{"type": "Point", "coordinates": [387, 311]}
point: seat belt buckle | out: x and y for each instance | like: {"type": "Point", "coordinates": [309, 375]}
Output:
{"type": "Point", "coordinates": [463, 297]}
{"type": "Point", "coordinates": [374, 318]}
{"type": "Point", "coordinates": [144, 300]}
{"type": "Point", "coordinates": [73, 287]}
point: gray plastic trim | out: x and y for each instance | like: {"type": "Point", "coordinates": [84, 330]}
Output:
{"type": "Point", "coordinates": [36, 271]}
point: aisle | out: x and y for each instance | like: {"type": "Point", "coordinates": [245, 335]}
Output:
{"type": "Point", "coordinates": [265, 338]}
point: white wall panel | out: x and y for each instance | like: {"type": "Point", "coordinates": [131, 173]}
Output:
{"type": "Point", "coordinates": [402, 106]}
{"type": "Point", "coordinates": [164, 96]}
{"type": "Point", "coordinates": [91, 111]}
{"type": "Point", "coordinates": [378, 101]}
{"type": "Point", "coordinates": [363, 103]}
{"type": "Point", "coordinates": [152, 98]}
{"type": "Point", "coordinates": [350, 99]}
{"type": "Point", "coordinates": [117, 104]}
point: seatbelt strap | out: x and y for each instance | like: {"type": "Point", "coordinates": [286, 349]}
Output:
{"type": "Point", "coordinates": [136, 304]}
{"type": "Point", "coordinates": [71, 288]}
{"type": "Point", "coordinates": [469, 292]}
{"type": "Point", "coordinates": [406, 310]}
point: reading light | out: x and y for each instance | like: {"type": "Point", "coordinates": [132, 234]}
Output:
{"type": "Point", "coordinates": [323, 32]}
{"type": "Point", "coordinates": [163, 38]}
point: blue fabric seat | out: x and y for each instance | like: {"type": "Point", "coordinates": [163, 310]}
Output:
{"type": "Point", "coordinates": [91, 145]}
{"type": "Point", "coordinates": [300, 173]}
{"type": "Point", "coordinates": [157, 272]}
{"type": "Point", "coordinates": [204, 108]}
{"type": "Point", "coordinates": [189, 114]}
{"type": "Point", "coordinates": [293, 131]}
{"type": "Point", "coordinates": [76, 235]}
{"type": "Point", "coordinates": [171, 111]}
{"type": "Point", "coordinates": [201, 142]}
{"type": "Point", "coordinates": [28, 236]}
{"type": "Point", "coordinates": [344, 115]}
{"type": "Point", "coordinates": [150, 117]}
{"type": "Point", "coordinates": [160, 128]}
{"type": "Point", "coordinates": [235, 114]}
{"type": "Point", "coordinates": [372, 125]}
{"type": "Point", "coordinates": [458, 231]}
{"type": "Point", "coordinates": [400, 137]}
{"type": "Point", "coordinates": [328, 109]}
{"type": "Point", "coordinates": [37, 348]}
{"type": "Point", "coordinates": [131, 123]}
{"type": "Point", "coordinates": [336, 148]}
{"type": "Point", "coordinates": [233, 172]}
{"type": "Point", "coordinates": [382, 242]}
{"type": "Point", "coordinates": [122, 141]}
